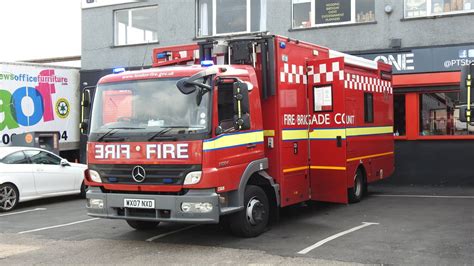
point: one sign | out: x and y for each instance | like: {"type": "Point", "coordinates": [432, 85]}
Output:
{"type": "Point", "coordinates": [425, 60]}
{"type": "Point", "coordinates": [39, 98]}
{"type": "Point", "coordinates": [333, 11]}
{"type": "Point", "coordinates": [99, 3]}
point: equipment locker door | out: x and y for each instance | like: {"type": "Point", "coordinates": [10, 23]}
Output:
{"type": "Point", "coordinates": [327, 133]}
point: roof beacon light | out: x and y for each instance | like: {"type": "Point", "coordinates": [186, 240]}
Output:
{"type": "Point", "coordinates": [118, 70]}
{"type": "Point", "coordinates": [207, 63]}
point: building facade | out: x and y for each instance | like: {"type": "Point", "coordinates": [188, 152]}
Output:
{"type": "Point", "coordinates": [426, 42]}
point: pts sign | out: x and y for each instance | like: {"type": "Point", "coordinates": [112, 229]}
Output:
{"type": "Point", "coordinates": [401, 62]}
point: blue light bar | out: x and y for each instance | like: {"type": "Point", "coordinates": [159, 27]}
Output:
{"type": "Point", "coordinates": [207, 63]}
{"type": "Point", "coordinates": [118, 70]}
{"type": "Point", "coordinates": [161, 55]}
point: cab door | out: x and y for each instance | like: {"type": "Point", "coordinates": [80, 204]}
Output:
{"type": "Point", "coordinates": [327, 132]}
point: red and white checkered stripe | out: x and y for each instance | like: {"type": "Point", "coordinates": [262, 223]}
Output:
{"type": "Point", "coordinates": [294, 74]}
{"type": "Point", "coordinates": [326, 73]}
{"type": "Point", "coordinates": [363, 83]}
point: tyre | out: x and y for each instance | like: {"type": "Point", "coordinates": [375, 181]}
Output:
{"type": "Point", "coordinates": [253, 219]}
{"type": "Point", "coordinates": [142, 225]}
{"type": "Point", "coordinates": [83, 190]}
{"type": "Point", "coordinates": [9, 197]}
{"type": "Point", "coordinates": [355, 193]}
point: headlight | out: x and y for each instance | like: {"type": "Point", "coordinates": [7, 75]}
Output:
{"type": "Point", "coordinates": [94, 176]}
{"type": "Point", "coordinates": [196, 207]}
{"type": "Point", "coordinates": [192, 178]}
{"type": "Point", "coordinates": [95, 203]}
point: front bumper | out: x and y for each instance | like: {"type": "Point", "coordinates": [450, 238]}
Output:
{"type": "Point", "coordinates": [167, 207]}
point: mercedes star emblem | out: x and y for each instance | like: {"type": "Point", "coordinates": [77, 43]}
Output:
{"type": "Point", "coordinates": [138, 174]}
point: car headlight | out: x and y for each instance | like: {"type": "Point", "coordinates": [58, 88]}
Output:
{"type": "Point", "coordinates": [193, 178]}
{"type": "Point", "coordinates": [94, 176]}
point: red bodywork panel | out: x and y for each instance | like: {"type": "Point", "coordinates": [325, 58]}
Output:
{"type": "Point", "coordinates": [316, 131]}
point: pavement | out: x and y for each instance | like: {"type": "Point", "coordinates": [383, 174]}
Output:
{"type": "Point", "coordinates": [392, 225]}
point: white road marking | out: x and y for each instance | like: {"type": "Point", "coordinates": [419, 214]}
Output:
{"type": "Point", "coordinates": [170, 233]}
{"type": "Point", "coordinates": [57, 226]}
{"type": "Point", "coordinates": [424, 196]}
{"type": "Point", "coordinates": [324, 241]}
{"type": "Point", "coordinates": [32, 210]}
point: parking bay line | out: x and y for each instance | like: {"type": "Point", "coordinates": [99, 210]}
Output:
{"type": "Point", "coordinates": [151, 239]}
{"type": "Point", "coordinates": [25, 211]}
{"type": "Point", "coordinates": [57, 226]}
{"type": "Point", "coordinates": [421, 196]}
{"type": "Point", "coordinates": [324, 241]}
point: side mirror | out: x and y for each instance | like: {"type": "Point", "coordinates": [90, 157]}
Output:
{"type": "Point", "coordinates": [219, 130]}
{"type": "Point", "coordinates": [85, 111]}
{"type": "Point", "coordinates": [64, 163]}
{"type": "Point", "coordinates": [242, 123]}
{"type": "Point", "coordinates": [185, 87]}
{"type": "Point", "coordinates": [241, 98]}
{"type": "Point", "coordinates": [467, 77]}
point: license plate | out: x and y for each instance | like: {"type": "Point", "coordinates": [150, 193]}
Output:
{"type": "Point", "coordinates": [139, 203]}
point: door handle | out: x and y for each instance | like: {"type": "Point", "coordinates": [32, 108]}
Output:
{"type": "Point", "coordinates": [39, 170]}
{"type": "Point", "coordinates": [251, 146]}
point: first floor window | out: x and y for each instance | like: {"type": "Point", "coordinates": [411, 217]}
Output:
{"type": "Point", "coordinates": [310, 13]}
{"type": "Point", "coordinates": [136, 25]}
{"type": "Point", "coordinates": [423, 8]}
{"type": "Point", "coordinates": [219, 17]}
{"type": "Point", "coordinates": [439, 115]}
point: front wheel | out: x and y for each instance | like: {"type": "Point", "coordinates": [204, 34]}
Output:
{"type": "Point", "coordinates": [8, 197]}
{"type": "Point", "coordinates": [142, 225]}
{"type": "Point", "coordinates": [251, 221]}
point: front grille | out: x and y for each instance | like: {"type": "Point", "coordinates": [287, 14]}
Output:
{"type": "Point", "coordinates": [159, 174]}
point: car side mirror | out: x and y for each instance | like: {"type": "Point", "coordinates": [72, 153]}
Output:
{"type": "Point", "coordinates": [242, 123]}
{"type": "Point", "coordinates": [64, 163]}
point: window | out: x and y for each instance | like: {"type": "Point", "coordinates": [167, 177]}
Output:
{"type": "Point", "coordinates": [322, 98]}
{"type": "Point", "coordinates": [219, 17]}
{"type": "Point", "coordinates": [15, 158]}
{"type": "Point", "coordinates": [41, 157]}
{"type": "Point", "coordinates": [136, 25]}
{"type": "Point", "coordinates": [423, 8]}
{"type": "Point", "coordinates": [368, 107]}
{"type": "Point", "coordinates": [439, 115]}
{"type": "Point", "coordinates": [311, 13]}
{"type": "Point", "coordinates": [225, 106]}
{"type": "Point", "coordinates": [399, 115]}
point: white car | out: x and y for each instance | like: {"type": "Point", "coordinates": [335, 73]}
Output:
{"type": "Point", "coordinates": [32, 173]}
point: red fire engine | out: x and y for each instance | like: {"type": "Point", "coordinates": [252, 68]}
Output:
{"type": "Point", "coordinates": [261, 123]}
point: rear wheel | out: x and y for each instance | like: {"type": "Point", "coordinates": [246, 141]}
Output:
{"type": "Point", "coordinates": [357, 191]}
{"type": "Point", "coordinates": [8, 197]}
{"type": "Point", "coordinates": [142, 225]}
{"type": "Point", "coordinates": [83, 190]}
{"type": "Point", "coordinates": [251, 221]}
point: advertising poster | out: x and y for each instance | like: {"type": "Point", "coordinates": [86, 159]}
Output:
{"type": "Point", "coordinates": [39, 98]}
{"type": "Point", "coordinates": [333, 11]}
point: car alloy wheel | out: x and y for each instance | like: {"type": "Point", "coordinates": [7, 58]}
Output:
{"type": "Point", "coordinates": [8, 197]}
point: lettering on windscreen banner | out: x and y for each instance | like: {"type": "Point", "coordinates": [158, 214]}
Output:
{"type": "Point", "coordinates": [152, 151]}
{"type": "Point", "coordinates": [318, 119]}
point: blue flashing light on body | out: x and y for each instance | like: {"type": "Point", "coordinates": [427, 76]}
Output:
{"type": "Point", "coordinates": [161, 55]}
{"type": "Point", "coordinates": [282, 45]}
{"type": "Point", "coordinates": [118, 70]}
{"type": "Point", "coordinates": [207, 63]}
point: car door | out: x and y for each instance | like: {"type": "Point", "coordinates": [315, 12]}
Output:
{"type": "Point", "coordinates": [50, 176]}
{"type": "Point", "coordinates": [17, 169]}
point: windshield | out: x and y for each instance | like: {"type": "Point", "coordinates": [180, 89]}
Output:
{"type": "Point", "coordinates": [148, 106]}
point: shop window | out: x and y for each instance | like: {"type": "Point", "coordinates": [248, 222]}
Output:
{"type": "Point", "coordinates": [136, 25]}
{"type": "Point", "coordinates": [313, 13]}
{"type": "Point", "coordinates": [368, 107]}
{"type": "Point", "coordinates": [220, 17]}
{"type": "Point", "coordinates": [399, 115]}
{"type": "Point", "coordinates": [423, 8]}
{"type": "Point", "coordinates": [439, 115]}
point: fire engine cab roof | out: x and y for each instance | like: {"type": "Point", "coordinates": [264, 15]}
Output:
{"type": "Point", "coordinates": [173, 72]}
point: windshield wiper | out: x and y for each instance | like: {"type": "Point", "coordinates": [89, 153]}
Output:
{"type": "Point", "coordinates": [159, 134]}
{"type": "Point", "coordinates": [108, 135]}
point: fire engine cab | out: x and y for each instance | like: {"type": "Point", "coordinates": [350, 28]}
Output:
{"type": "Point", "coordinates": [231, 130]}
